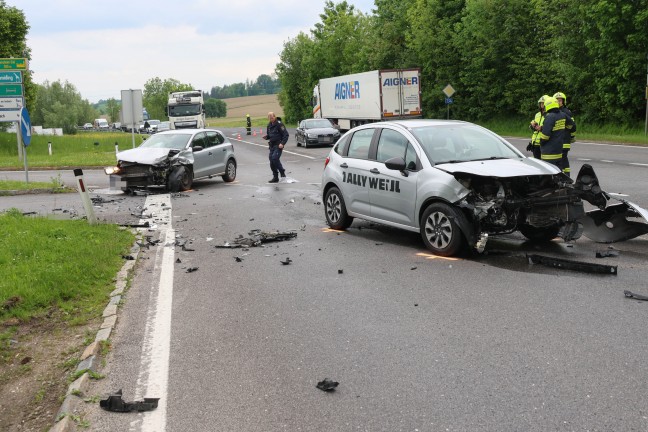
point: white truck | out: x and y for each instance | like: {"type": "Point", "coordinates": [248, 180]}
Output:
{"type": "Point", "coordinates": [186, 110]}
{"type": "Point", "coordinates": [366, 97]}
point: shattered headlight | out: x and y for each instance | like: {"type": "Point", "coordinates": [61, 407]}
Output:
{"type": "Point", "coordinates": [112, 170]}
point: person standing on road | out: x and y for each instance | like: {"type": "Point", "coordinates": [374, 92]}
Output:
{"type": "Point", "coordinates": [552, 133]}
{"type": "Point", "coordinates": [570, 126]}
{"type": "Point", "coordinates": [248, 126]}
{"type": "Point", "coordinates": [277, 137]}
{"type": "Point", "coordinates": [536, 126]}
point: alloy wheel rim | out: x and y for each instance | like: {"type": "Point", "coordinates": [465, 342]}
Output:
{"type": "Point", "coordinates": [333, 209]}
{"type": "Point", "coordinates": [438, 230]}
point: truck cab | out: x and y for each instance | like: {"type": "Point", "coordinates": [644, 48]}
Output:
{"type": "Point", "coordinates": [186, 110]}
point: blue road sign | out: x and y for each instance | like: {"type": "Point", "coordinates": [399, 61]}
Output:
{"type": "Point", "coordinates": [448, 101]}
{"type": "Point", "coordinates": [25, 126]}
{"type": "Point", "coordinates": [11, 77]}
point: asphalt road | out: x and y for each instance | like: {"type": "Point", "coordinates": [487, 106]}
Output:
{"type": "Point", "coordinates": [417, 343]}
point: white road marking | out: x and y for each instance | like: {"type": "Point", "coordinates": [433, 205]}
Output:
{"type": "Point", "coordinates": [266, 146]}
{"type": "Point", "coordinates": [608, 161]}
{"type": "Point", "coordinates": [154, 367]}
{"type": "Point", "coordinates": [638, 164]}
{"type": "Point", "coordinates": [583, 159]}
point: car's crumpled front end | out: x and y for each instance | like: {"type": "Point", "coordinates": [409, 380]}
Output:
{"type": "Point", "coordinates": [138, 168]}
{"type": "Point", "coordinates": [542, 207]}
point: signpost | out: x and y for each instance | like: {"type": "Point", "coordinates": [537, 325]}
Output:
{"type": "Point", "coordinates": [11, 98]}
{"type": "Point", "coordinates": [13, 63]}
{"type": "Point", "coordinates": [25, 133]}
{"type": "Point", "coordinates": [448, 91]}
{"type": "Point", "coordinates": [11, 77]}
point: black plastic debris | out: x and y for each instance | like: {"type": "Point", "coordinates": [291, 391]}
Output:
{"type": "Point", "coordinates": [192, 269]}
{"type": "Point", "coordinates": [631, 295]}
{"type": "Point", "coordinates": [142, 225]}
{"type": "Point", "coordinates": [607, 253]}
{"type": "Point", "coordinates": [257, 238]}
{"type": "Point", "coordinates": [178, 261]}
{"type": "Point", "coordinates": [572, 265]}
{"type": "Point", "coordinates": [186, 249]}
{"type": "Point", "coordinates": [327, 385]}
{"type": "Point", "coordinates": [286, 261]}
{"type": "Point", "coordinates": [115, 403]}
{"type": "Point", "coordinates": [340, 271]}
{"type": "Point", "coordinates": [413, 268]}
{"type": "Point", "coordinates": [238, 259]}
{"type": "Point", "coordinates": [128, 257]}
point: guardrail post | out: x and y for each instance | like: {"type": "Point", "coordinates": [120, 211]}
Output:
{"type": "Point", "coordinates": [49, 148]}
{"type": "Point", "coordinates": [85, 197]}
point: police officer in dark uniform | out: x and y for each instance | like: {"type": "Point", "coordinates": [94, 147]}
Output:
{"type": "Point", "coordinates": [277, 137]}
{"type": "Point", "coordinates": [249, 124]}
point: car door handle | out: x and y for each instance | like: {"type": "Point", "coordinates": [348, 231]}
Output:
{"type": "Point", "coordinates": [374, 171]}
{"type": "Point", "coordinates": [344, 165]}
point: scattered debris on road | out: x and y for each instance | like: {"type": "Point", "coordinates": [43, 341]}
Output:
{"type": "Point", "coordinates": [607, 253]}
{"type": "Point", "coordinates": [631, 295]}
{"type": "Point", "coordinates": [327, 385]}
{"type": "Point", "coordinates": [115, 403]}
{"type": "Point", "coordinates": [257, 238]}
{"type": "Point", "coordinates": [572, 265]}
{"type": "Point", "coordinates": [191, 269]}
{"type": "Point", "coordinates": [286, 261]}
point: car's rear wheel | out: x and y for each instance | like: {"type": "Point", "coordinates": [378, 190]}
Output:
{"type": "Point", "coordinates": [440, 231]}
{"type": "Point", "coordinates": [230, 171]}
{"type": "Point", "coordinates": [180, 179]}
{"type": "Point", "coordinates": [540, 234]}
{"type": "Point", "coordinates": [335, 210]}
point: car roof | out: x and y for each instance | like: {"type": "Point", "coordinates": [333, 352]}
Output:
{"type": "Point", "coordinates": [187, 131]}
{"type": "Point", "coordinates": [416, 123]}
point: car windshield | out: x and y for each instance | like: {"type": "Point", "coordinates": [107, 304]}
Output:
{"type": "Point", "coordinates": [154, 122]}
{"type": "Point", "coordinates": [184, 110]}
{"type": "Point", "coordinates": [461, 143]}
{"type": "Point", "coordinates": [312, 124]}
{"type": "Point", "coordinates": [169, 141]}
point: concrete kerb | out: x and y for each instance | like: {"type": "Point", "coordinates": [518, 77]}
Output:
{"type": "Point", "coordinates": [64, 421]}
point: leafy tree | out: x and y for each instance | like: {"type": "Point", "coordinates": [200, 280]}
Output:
{"type": "Point", "coordinates": [113, 106]}
{"type": "Point", "coordinates": [156, 95]}
{"type": "Point", "coordinates": [215, 108]}
{"type": "Point", "coordinates": [61, 106]}
{"type": "Point", "coordinates": [296, 85]}
{"type": "Point", "coordinates": [13, 37]}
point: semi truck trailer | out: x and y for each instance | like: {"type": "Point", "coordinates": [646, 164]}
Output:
{"type": "Point", "coordinates": [366, 97]}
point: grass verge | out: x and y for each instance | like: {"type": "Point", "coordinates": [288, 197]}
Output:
{"type": "Point", "coordinates": [63, 265]}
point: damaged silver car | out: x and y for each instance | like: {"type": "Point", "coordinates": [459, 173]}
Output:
{"type": "Point", "coordinates": [174, 159]}
{"type": "Point", "coordinates": [458, 183]}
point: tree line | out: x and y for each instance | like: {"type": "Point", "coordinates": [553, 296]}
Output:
{"type": "Point", "coordinates": [499, 55]}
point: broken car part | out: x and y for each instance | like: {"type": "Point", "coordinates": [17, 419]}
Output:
{"type": "Point", "coordinates": [630, 294]}
{"type": "Point", "coordinates": [115, 403]}
{"type": "Point", "coordinates": [572, 265]}
{"type": "Point", "coordinates": [257, 238]}
{"type": "Point", "coordinates": [327, 385]}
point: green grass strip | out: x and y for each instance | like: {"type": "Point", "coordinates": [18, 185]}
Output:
{"type": "Point", "coordinates": [65, 265]}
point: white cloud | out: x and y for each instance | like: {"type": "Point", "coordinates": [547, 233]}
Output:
{"type": "Point", "coordinates": [104, 47]}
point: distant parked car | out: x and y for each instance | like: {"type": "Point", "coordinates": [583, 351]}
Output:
{"type": "Point", "coordinates": [164, 126]}
{"type": "Point", "coordinates": [316, 132]}
{"type": "Point", "coordinates": [87, 126]}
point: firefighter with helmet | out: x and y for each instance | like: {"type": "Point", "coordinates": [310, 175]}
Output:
{"type": "Point", "coordinates": [552, 133]}
{"type": "Point", "coordinates": [536, 126]}
{"type": "Point", "coordinates": [570, 126]}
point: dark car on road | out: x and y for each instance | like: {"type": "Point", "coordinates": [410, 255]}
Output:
{"type": "Point", "coordinates": [174, 159]}
{"type": "Point", "coordinates": [314, 132]}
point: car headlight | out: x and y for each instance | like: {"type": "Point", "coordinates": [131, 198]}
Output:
{"type": "Point", "coordinates": [111, 170]}
{"type": "Point", "coordinates": [310, 135]}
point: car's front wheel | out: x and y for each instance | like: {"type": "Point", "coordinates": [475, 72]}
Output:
{"type": "Point", "coordinates": [335, 210]}
{"type": "Point", "coordinates": [180, 179]}
{"type": "Point", "coordinates": [440, 231]}
{"type": "Point", "coordinates": [230, 171]}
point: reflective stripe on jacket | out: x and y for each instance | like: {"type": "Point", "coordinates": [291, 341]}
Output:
{"type": "Point", "coordinates": [552, 135]}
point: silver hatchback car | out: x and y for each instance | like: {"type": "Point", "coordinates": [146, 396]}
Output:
{"type": "Point", "coordinates": [175, 159]}
{"type": "Point", "coordinates": [457, 183]}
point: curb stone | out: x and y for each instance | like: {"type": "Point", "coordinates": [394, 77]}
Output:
{"type": "Point", "coordinates": [63, 422]}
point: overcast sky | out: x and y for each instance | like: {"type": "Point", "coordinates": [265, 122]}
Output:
{"type": "Point", "coordinates": [105, 47]}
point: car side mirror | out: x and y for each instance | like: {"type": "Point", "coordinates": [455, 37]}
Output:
{"type": "Point", "coordinates": [197, 148]}
{"type": "Point", "coordinates": [398, 164]}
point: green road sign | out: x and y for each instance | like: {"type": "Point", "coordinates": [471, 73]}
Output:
{"type": "Point", "coordinates": [11, 90]}
{"type": "Point", "coordinates": [10, 77]}
{"type": "Point", "coordinates": [13, 63]}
